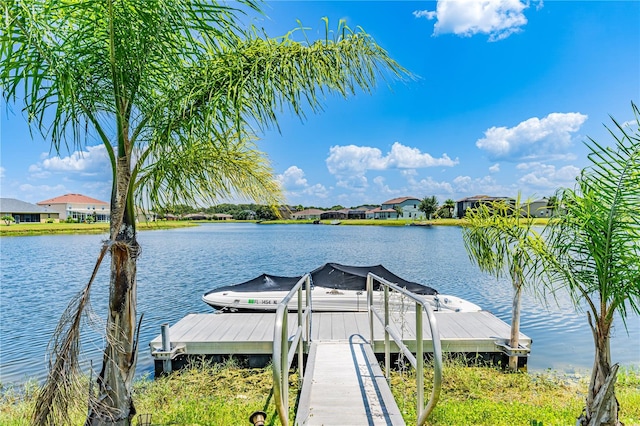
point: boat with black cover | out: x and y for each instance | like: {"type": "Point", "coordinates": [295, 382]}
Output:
{"type": "Point", "coordinates": [335, 288]}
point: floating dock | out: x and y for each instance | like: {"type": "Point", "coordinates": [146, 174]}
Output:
{"type": "Point", "coordinates": [250, 335]}
{"type": "Point", "coordinates": [343, 382]}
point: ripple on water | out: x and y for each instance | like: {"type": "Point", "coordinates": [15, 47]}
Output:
{"type": "Point", "coordinates": [41, 274]}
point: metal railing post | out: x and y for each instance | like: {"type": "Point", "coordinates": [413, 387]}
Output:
{"type": "Point", "coordinates": [369, 309]}
{"type": "Point", "coordinates": [166, 347]}
{"type": "Point", "coordinates": [387, 344]}
{"type": "Point", "coordinates": [308, 308]}
{"type": "Point", "coordinates": [416, 361]}
{"type": "Point", "coordinates": [419, 360]}
{"type": "Point", "coordinates": [283, 353]}
{"type": "Point", "coordinates": [300, 341]}
{"type": "Point", "coordinates": [284, 356]}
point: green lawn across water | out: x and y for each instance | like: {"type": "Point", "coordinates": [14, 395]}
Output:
{"type": "Point", "coordinates": [25, 229]}
{"type": "Point", "coordinates": [80, 228]}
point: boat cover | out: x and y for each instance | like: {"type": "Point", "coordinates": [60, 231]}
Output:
{"type": "Point", "coordinates": [344, 277]}
{"type": "Point", "coordinates": [329, 275]}
{"type": "Point", "coordinates": [264, 282]}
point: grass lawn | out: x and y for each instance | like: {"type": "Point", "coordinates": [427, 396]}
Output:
{"type": "Point", "coordinates": [476, 395]}
{"type": "Point", "coordinates": [80, 228]}
{"type": "Point", "coordinates": [103, 228]}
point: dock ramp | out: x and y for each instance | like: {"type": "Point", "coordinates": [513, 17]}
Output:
{"type": "Point", "coordinates": [344, 385]}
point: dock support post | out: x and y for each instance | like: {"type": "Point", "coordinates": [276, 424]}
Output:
{"type": "Point", "coordinates": [166, 347]}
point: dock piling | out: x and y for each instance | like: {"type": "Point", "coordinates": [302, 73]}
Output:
{"type": "Point", "coordinates": [166, 347]}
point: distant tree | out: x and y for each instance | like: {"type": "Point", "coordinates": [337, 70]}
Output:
{"type": "Point", "coordinates": [245, 215]}
{"type": "Point", "coordinates": [449, 204]}
{"type": "Point", "coordinates": [592, 250]}
{"type": "Point", "coordinates": [443, 212]}
{"type": "Point", "coordinates": [178, 209]}
{"type": "Point", "coordinates": [399, 211]}
{"type": "Point", "coordinates": [337, 207]}
{"type": "Point", "coordinates": [8, 220]}
{"type": "Point", "coordinates": [265, 213]}
{"type": "Point", "coordinates": [299, 208]}
{"type": "Point", "coordinates": [552, 204]}
{"type": "Point", "coordinates": [428, 205]}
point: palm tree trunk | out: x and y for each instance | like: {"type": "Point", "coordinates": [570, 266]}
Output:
{"type": "Point", "coordinates": [601, 403]}
{"type": "Point", "coordinates": [114, 405]}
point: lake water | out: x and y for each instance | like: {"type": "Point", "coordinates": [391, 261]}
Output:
{"type": "Point", "coordinates": [41, 274]}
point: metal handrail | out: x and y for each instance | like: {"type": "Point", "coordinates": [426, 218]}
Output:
{"type": "Point", "coordinates": [416, 361]}
{"type": "Point", "coordinates": [283, 355]}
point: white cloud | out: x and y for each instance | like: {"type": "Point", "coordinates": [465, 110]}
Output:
{"type": "Point", "coordinates": [495, 168]}
{"type": "Point", "coordinates": [430, 186]}
{"type": "Point", "coordinates": [533, 139]}
{"type": "Point", "coordinates": [425, 14]}
{"type": "Point", "coordinates": [296, 186]}
{"type": "Point", "coordinates": [350, 163]}
{"type": "Point", "coordinates": [91, 162]}
{"type": "Point", "coordinates": [35, 193]}
{"type": "Point", "coordinates": [293, 177]}
{"type": "Point", "coordinates": [2, 170]}
{"type": "Point", "coordinates": [631, 125]}
{"type": "Point", "coordinates": [86, 172]}
{"type": "Point", "coordinates": [467, 186]}
{"type": "Point", "coordinates": [496, 18]}
{"type": "Point", "coordinates": [546, 177]}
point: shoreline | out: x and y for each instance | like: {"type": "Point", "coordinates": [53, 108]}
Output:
{"type": "Point", "coordinates": [31, 229]}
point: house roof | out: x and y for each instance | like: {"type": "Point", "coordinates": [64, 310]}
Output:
{"type": "Point", "coordinates": [380, 210]}
{"type": "Point", "coordinates": [483, 197]}
{"type": "Point", "coordinates": [11, 205]}
{"type": "Point", "coordinates": [72, 199]}
{"type": "Point", "coordinates": [400, 200]}
{"type": "Point", "coordinates": [308, 212]}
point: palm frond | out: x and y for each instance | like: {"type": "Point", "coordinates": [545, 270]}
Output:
{"type": "Point", "coordinates": [63, 387]}
{"type": "Point", "coordinates": [195, 170]}
{"type": "Point", "coordinates": [597, 238]}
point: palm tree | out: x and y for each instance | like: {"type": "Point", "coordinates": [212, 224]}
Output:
{"type": "Point", "coordinates": [552, 204]}
{"type": "Point", "coordinates": [428, 205]}
{"type": "Point", "coordinates": [172, 89]}
{"type": "Point", "coordinates": [450, 204]}
{"type": "Point", "coordinates": [593, 249]}
{"type": "Point", "coordinates": [502, 242]}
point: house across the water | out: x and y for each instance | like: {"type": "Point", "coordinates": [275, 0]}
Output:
{"type": "Point", "coordinates": [78, 207]}
{"type": "Point", "coordinates": [21, 211]}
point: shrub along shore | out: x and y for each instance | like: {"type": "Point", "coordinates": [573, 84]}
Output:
{"type": "Point", "coordinates": [471, 395]}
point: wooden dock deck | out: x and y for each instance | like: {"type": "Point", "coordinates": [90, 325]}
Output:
{"type": "Point", "coordinates": [252, 333]}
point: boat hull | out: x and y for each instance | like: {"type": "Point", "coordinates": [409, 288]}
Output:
{"type": "Point", "coordinates": [329, 300]}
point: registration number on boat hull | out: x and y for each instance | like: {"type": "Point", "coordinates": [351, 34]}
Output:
{"type": "Point", "coordinates": [262, 302]}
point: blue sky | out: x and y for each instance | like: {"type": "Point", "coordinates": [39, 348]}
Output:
{"type": "Point", "coordinates": [505, 94]}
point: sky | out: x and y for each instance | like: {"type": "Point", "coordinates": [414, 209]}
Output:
{"type": "Point", "coordinates": [504, 96]}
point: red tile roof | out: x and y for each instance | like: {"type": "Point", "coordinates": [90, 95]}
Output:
{"type": "Point", "coordinates": [72, 198]}
{"type": "Point", "coordinates": [400, 200]}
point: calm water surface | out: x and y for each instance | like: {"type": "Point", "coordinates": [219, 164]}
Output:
{"type": "Point", "coordinates": [41, 274]}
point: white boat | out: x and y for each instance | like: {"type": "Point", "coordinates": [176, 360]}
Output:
{"type": "Point", "coordinates": [335, 288]}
